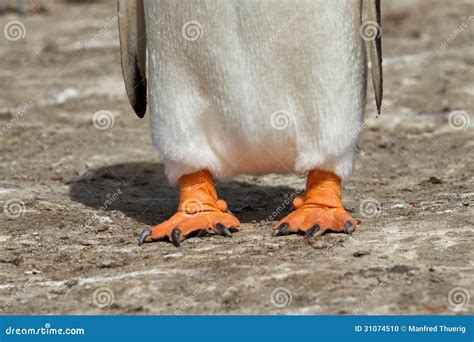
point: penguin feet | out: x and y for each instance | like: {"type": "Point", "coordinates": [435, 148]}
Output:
{"type": "Point", "coordinates": [314, 221]}
{"type": "Point", "coordinates": [200, 212]}
{"type": "Point", "coordinates": [183, 225]}
{"type": "Point", "coordinates": [319, 211]}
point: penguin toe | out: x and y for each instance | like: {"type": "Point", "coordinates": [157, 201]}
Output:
{"type": "Point", "coordinates": [281, 230]}
{"type": "Point", "coordinates": [349, 227]}
{"type": "Point", "coordinates": [143, 235]}
{"type": "Point", "coordinates": [311, 231]}
{"type": "Point", "coordinates": [223, 230]}
{"type": "Point", "coordinates": [176, 237]}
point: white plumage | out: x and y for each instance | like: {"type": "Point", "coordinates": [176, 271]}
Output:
{"type": "Point", "coordinates": [255, 87]}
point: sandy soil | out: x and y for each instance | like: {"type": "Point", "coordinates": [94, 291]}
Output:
{"type": "Point", "coordinates": [76, 197]}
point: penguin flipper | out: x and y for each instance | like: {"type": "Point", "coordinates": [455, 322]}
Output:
{"type": "Point", "coordinates": [375, 52]}
{"type": "Point", "coordinates": [133, 52]}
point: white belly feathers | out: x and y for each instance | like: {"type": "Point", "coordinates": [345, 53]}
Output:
{"type": "Point", "coordinates": [255, 86]}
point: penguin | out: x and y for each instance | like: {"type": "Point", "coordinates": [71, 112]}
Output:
{"type": "Point", "coordinates": [251, 87]}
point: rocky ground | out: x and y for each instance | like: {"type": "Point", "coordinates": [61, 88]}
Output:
{"type": "Point", "coordinates": [75, 197]}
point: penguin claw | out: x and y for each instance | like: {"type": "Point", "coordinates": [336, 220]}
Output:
{"type": "Point", "coordinates": [349, 227]}
{"type": "Point", "coordinates": [311, 231]}
{"type": "Point", "coordinates": [143, 235]}
{"type": "Point", "coordinates": [176, 237]}
{"type": "Point", "coordinates": [223, 230]}
{"type": "Point", "coordinates": [281, 230]}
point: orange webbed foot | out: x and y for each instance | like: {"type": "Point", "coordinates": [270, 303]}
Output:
{"type": "Point", "coordinates": [182, 225]}
{"type": "Point", "coordinates": [319, 211]}
{"type": "Point", "coordinates": [200, 211]}
{"type": "Point", "coordinates": [315, 221]}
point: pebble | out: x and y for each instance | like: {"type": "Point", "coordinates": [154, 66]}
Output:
{"type": "Point", "coordinates": [71, 282]}
{"type": "Point", "coordinates": [32, 272]}
{"type": "Point", "coordinates": [89, 242]}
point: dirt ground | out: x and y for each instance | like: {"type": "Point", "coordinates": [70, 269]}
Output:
{"type": "Point", "coordinates": [75, 197]}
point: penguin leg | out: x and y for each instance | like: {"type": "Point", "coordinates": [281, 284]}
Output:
{"type": "Point", "coordinates": [199, 211]}
{"type": "Point", "coordinates": [320, 210]}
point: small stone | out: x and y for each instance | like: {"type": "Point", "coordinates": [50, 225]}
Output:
{"type": "Point", "coordinates": [71, 282]}
{"type": "Point", "coordinates": [385, 143]}
{"type": "Point", "coordinates": [432, 180]}
{"type": "Point", "coordinates": [32, 272]}
{"type": "Point", "coordinates": [399, 269]}
{"type": "Point", "coordinates": [174, 255]}
{"type": "Point", "coordinates": [360, 254]}
{"type": "Point", "coordinates": [58, 291]}
{"type": "Point", "coordinates": [102, 228]}
{"type": "Point", "coordinates": [104, 219]}
{"type": "Point", "coordinates": [89, 242]}
{"type": "Point", "coordinates": [10, 259]}
{"type": "Point", "coordinates": [435, 180]}
{"type": "Point", "coordinates": [5, 114]}
{"type": "Point", "coordinates": [105, 264]}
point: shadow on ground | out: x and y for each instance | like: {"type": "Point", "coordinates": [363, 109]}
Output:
{"type": "Point", "coordinates": [142, 192]}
